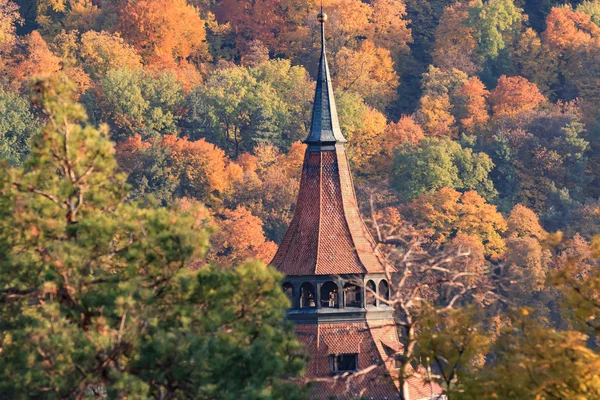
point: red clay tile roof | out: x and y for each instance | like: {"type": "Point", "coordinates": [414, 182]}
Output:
{"type": "Point", "coordinates": [327, 234]}
{"type": "Point", "coordinates": [366, 340]}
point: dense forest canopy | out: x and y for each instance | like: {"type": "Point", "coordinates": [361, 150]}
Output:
{"type": "Point", "coordinates": [471, 125]}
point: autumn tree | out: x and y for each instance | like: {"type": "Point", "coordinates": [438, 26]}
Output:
{"type": "Point", "coordinates": [397, 134]}
{"type": "Point", "coordinates": [527, 259]}
{"type": "Point", "coordinates": [514, 96]}
{"type": "Point", "coordinates": [368, 71]}
{"type": "Point", "coordinates": [176, 167]}
{"type": "Point", "coordinates": [438, 163]}
{"type": "Point", "coordinates": [436, 106]}
{"type": "Point", "coordinates": [537, 62]}
{"type": "Point", "coordinates": [240, 237]}
{"type": "Point", "coordinates": [455, 45]}
{"type": "Point", "coordinates": [390, 27]}
{"type": "Point", "coordinates": [527, 264]}
{"type": "Point", "coordinates": [363, 126]}
{"type": "Point", "coordinates": [447, 213]}
{"type": "Point", "coordinates": [576, 41]}
{"type": "Point", "coordinates": [9, 18]}
{"type": "Point", "coordinates": [103, 303]}
{"type": "Point", "coordinates": [471, 107]}
{"type": "Point", "coordinates": [435, 115]}
{"type": "Point", "coordinates": [534, 361]}
{"type": "Point", "coordinates": [200, 168]}
{"type": "Point", "coordinates": [575, 275]}
{"type": "Point", "coordinates": [522, 222]}
{"type": "Point", "coordinates": [54, 16]}
{"type": "Point", "coordinates": [348, 20]}
{"type": "Point", "coordinates": [265, 21]}
{"type": "Point", "coordinates": [32, 58]}
{"type": "Point", "coordinates": [102, 51]}
{"type": "Point", "coordinates": [269, 186]}
{"type": "Point", "coordinates": [164, 33]}
{"type": "Point", "coordinates": [567, 28]}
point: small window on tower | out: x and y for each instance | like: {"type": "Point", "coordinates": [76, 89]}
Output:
{"type": "Point", "coordinates": [341, 363]}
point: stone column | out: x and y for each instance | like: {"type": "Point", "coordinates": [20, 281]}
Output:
{"type": "Point", "coordinates": [318, 295]}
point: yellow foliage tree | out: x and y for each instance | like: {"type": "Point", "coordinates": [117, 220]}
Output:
{"type": "Point", "coordinates": [447, 213]}
{"type": "Point", "coordinates": [103, 51]}
{"type": "Point", "coordinates": [368, 71]}
{"type": "Point", "coordinates": [9, 18]}
{"type": "Point", "coordinates": [435, 116]}
{"type": "Point", "coordinates": [389, 26]}
{"type": "Point", "coordinates": [455, 45]}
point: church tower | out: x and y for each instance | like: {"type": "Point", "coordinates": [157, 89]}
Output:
{"type": "Point", "coordinates": [330, 259]}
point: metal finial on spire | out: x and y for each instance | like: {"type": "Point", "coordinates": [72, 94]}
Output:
{"type": "Point", "coordinates": [325, 129]}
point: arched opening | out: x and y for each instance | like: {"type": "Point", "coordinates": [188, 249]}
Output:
{"type": "Point", "coordinates": [329, 295]}
{"type": "Point", "coordinates": [307, 295]}
{"type": "Point", "coordinates": [384, 289]}
{"type": "Point", "coordinates": [370, 294]}
{"type": "Point", "coordinates": [352, 294]}
{"type": "Point", "coordinates": [288, 289]}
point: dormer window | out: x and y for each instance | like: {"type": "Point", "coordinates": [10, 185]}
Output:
{"type": "Point", "coordinates": [343, 363]}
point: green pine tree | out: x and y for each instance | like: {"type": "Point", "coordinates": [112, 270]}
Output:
{"type": "Point", "coordinates": [96, 297]}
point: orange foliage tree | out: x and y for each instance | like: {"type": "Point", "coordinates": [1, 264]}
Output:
{"type": "Point", "coordinates": [261, 20]}
{"type": "Point", "coordinates": [270, 185]}
{"type": "Point", "coordinates": [471, 106]}
{"type": "Point", "coordinates": [33, 58]}
{"type": "Point", "coordinates": [576, 40]}
{"type": "Point", "coordinates": [240, 236]}
{"type": "Point", "coordinates": [406, 130]}
{"type": "Point", "coordinates": [475, 261]}
{"type": "Point", "coordinates": [513, 96]}
{"type": "Point", "coordinates": [167, 33]}
{"type": "Point", "coordinates": [524, 222]}
{"type": "Point", "coordinates": [197, 169]}
{"type": "Point", "coordinates": [566, 28]}
{"type": "Point", "coordinates": [435, 115]}
{"type": "Point", "coordinates": [526, 261]}
{"type": "Point", "coordinates": [200, 167]}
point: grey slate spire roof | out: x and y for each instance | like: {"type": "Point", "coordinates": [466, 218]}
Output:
{"type": "Point", "coordinates": [325, 127]}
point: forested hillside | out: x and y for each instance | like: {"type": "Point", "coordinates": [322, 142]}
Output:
{"type": "Point", "coordinates": [472, 125]}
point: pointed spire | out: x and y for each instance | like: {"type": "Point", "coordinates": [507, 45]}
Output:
{"type": "Point", "coordinates": [325, 128]}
